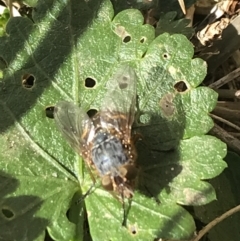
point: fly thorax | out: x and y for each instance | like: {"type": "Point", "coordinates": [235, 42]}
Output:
{"type": "Point", "coordinates": [108, 153]}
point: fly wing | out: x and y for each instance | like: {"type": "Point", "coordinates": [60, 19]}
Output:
{"type": "Point", "coordinates": [74, 124]}
{"type": "Point", "coordinates": [118, 107]}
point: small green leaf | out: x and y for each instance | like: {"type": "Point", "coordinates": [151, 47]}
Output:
{"type": "Point", "coordinates": [4, 17]}
{"type": "Point", "coordinates": [31, 3]}
{"type": "Point", "coordinates": [168, 24]}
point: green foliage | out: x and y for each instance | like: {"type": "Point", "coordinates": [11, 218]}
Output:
{"type": "Point", "coordinates": [227, 190]}
{"type": "Point", "coordinates": [31, 3]}
{"type": "Point", "coordinates": [3, 21]}
{"type": "Point", "coordinates": [40, 173]}
{"type": "Point", "coordinates": [167, 23]}
{"type": "Point", "coordinates": [161, 6]}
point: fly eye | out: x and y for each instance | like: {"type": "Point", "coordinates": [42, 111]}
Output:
{"type": "Point", "coordinates": [123, 83]}
{"type": "Point", "coordinates": [107, 183]}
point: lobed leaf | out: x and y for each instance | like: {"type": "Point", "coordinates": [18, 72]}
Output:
{"type": "Point", "coordinates": [50, 60]}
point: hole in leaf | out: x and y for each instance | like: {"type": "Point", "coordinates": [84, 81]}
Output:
{"type": "Point", "coordinates": [49, 112]}
{"type": "Point", "coordinates": [133, 229]}
{"type": "Point", "coordinates": [127, 39]}
{"type": "Point", "coordinates": [180, 86]}
{"type": "Point", "coordinates": [142, 40]}
{"type": "Point", "coordinates": [28, 81]}
{"type": "Point", "coordinates": [166, 56]}
{"type": "Point", "coordinates": [90, 83]}
{"type": "Point", "coordinates": [91, 112]}
{"type": "Point", "coordinates": [7, 213]}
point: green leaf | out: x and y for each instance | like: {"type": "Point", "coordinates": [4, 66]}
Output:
{"type": "Point", "coordinates": [120, 5]}
{"type": "Point", "coordinates": [31, 3]}
{"type": "Point", "coordinates": [4, 17]}
{"type": "Point", "coordinates": [168, 114]}
{"type": "Point", "coordinates": [49, 61]}
{"type": "Point", "coordinates": [145, 219]}
{"type": "Point", "coordinates": [167, 23]}
{"type": "Point", "coordinates": [227, 190]}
